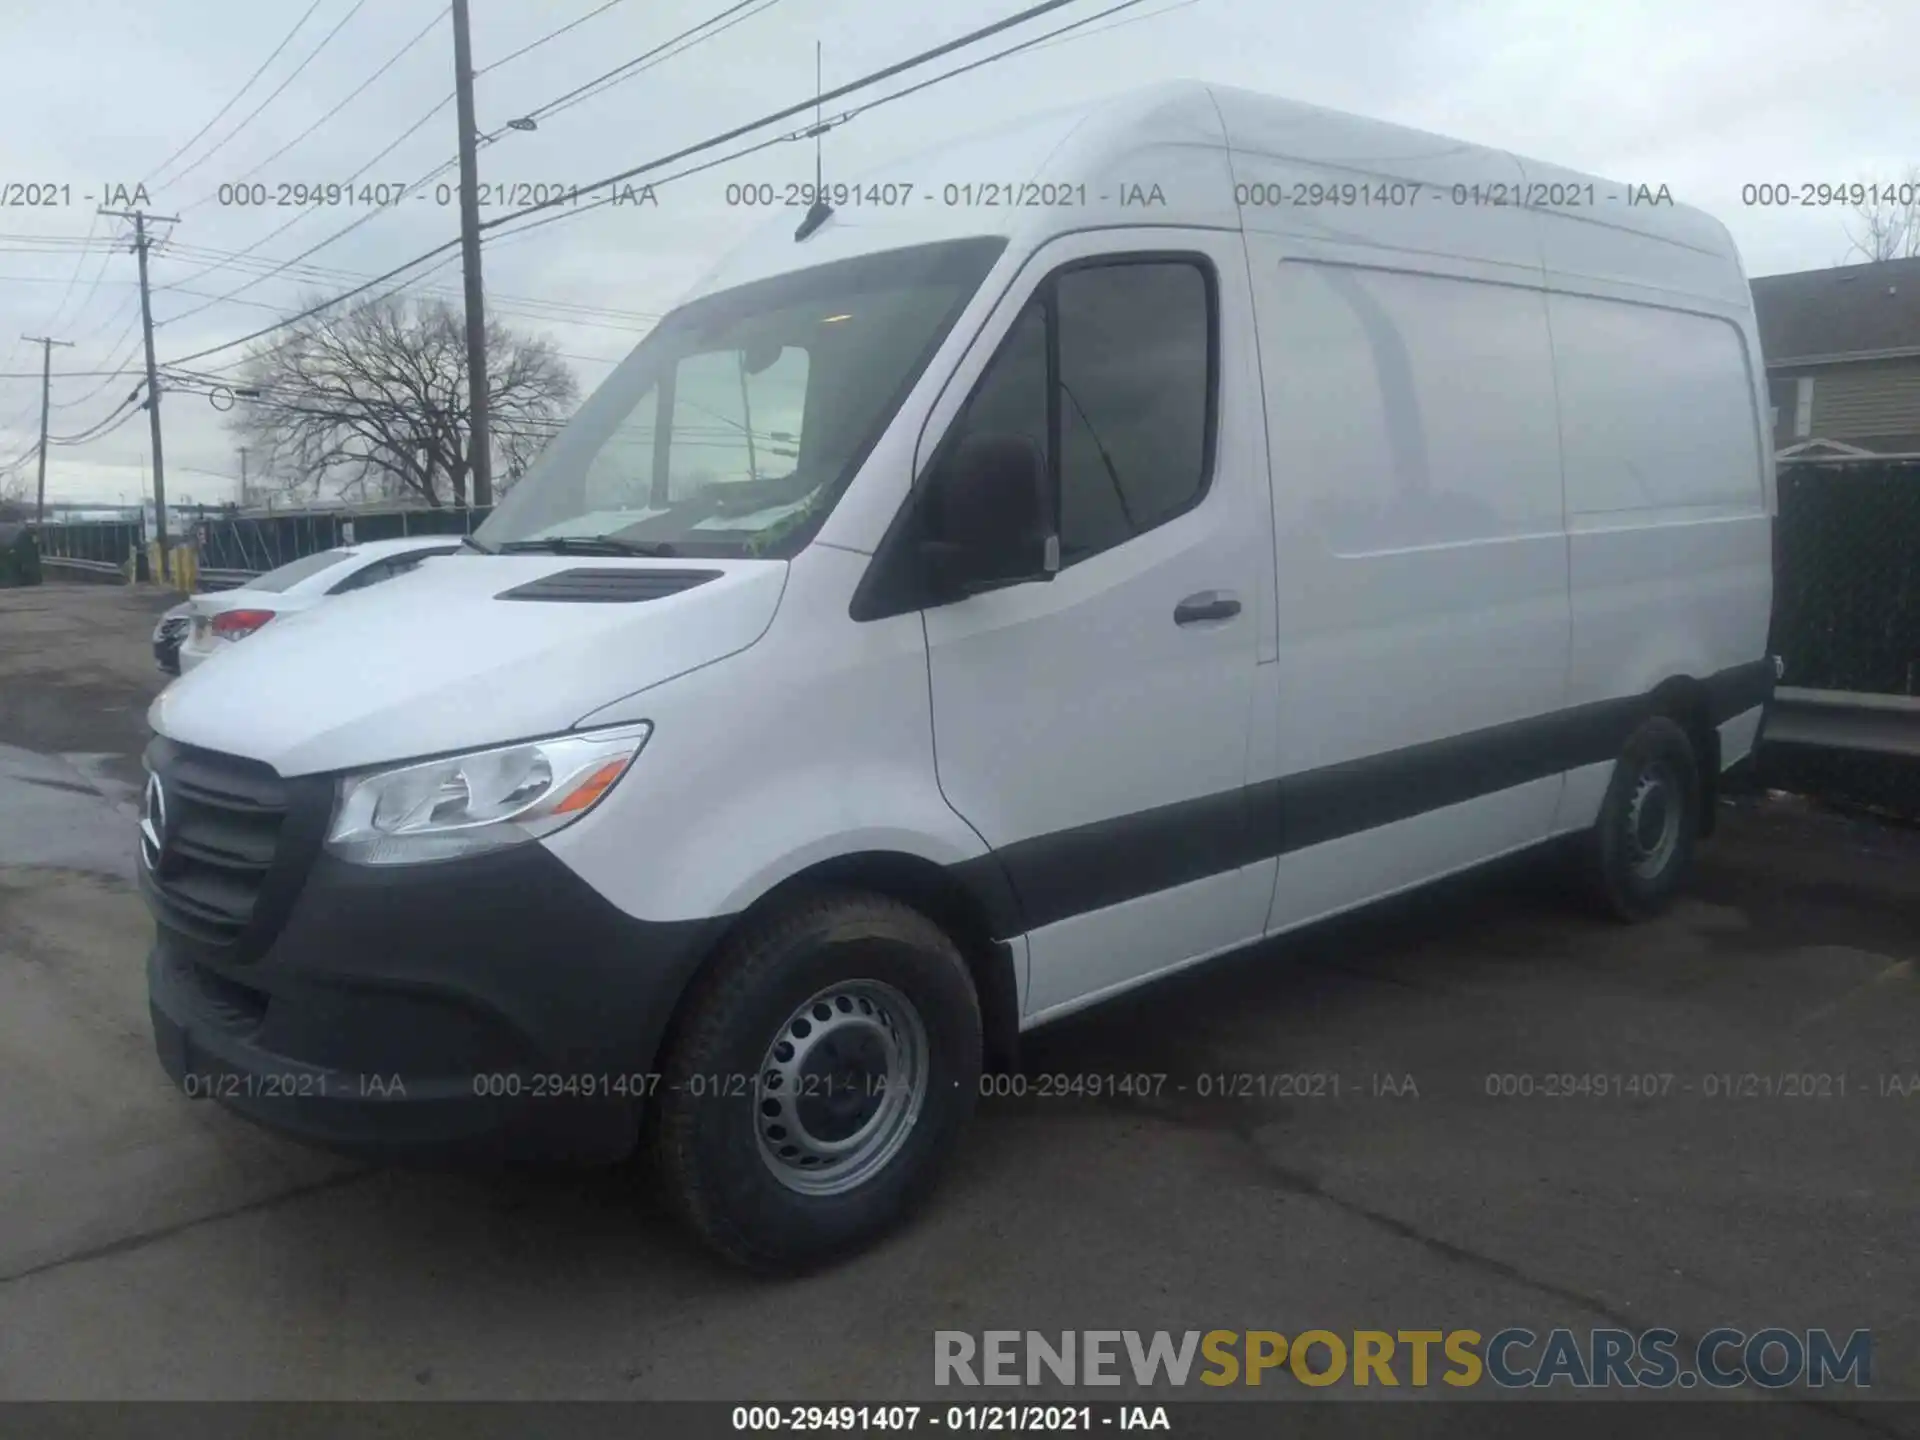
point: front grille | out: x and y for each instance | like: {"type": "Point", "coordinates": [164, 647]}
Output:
{"type": "Point", "coordinates": [233, 847]}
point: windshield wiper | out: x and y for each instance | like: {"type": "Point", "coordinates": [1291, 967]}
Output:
{"type": "Point", "coordinates": [473, 544]}
{"type": "Point", "coordinates": [592, 545]}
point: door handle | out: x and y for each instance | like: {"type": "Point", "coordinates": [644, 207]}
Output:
{"type": "Point", "coordinates": [1206, 605]}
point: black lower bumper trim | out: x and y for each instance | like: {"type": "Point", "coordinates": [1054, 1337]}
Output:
{"type": "Point", "coordinates": [492, 1006]}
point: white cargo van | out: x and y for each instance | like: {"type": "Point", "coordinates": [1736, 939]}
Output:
{"type": "Point", "coordinates": [1083, 552]}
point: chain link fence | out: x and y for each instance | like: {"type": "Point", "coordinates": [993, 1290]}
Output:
{"type": "Point", "coordinates": [104, 548]}
{"type": "Point", "coordinates": [234, 547]}
{"type": "Point", "coordinates": [1846, 609]}
{"type": "Point", "coordinates": [1846, 616]}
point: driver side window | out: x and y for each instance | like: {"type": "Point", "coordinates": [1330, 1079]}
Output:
{"type": "Point", "coordinates": [1121, 411]}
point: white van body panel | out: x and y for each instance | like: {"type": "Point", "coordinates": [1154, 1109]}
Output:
{"type": "Point", "coordinates": [1738, 735]}
{"type": "Point", "coordinates": [816, 744]}
{"type": "Point", "coordinates": [1278, 145]}
{"type": "Point", "coordinates": [431, 661]}
{"type": "Point", "coordinates": [1025, 678]}
{"type": "Point", "coordinates": [1112, 153]}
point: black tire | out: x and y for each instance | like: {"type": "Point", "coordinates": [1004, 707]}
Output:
{"type": "Point", "coordinates": [706, 1126]}
{"type": "Point", "coordinates": [1634, 864]}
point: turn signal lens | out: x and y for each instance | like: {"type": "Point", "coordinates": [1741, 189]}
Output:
{"type": "Point", "coordinates": [591, 788]}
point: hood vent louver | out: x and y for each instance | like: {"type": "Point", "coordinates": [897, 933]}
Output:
{"type": "Point", "coordinates": [608, 586]}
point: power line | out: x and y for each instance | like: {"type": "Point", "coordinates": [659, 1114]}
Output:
{"type": "Point", "coordinates": [1031, 12]}
{"type": "Point", "coordinates": [120, 361]}
{"type": "Point", "coordinates": [52, 245]}
{"type": "Point", "coordinates": [550, 35]}
{"type": "Point", "coordinates": [335, 274]}
{"type": "Point", "coordinates": [99, 275]}
{"type": "Point", "coordinates": [279, 89]}
{"type": "Point", "coordinates": [998, 55]}
{"type": "Point", "coordinates": [236, 95]}
{"type": "Point", "coordinates": [549, 312]}
{"type": "Point", "coordinates": [93, 226]}
{"type": "Point", "coordinates": [88, 374]}
{"type": "Point", "coordinates": [339, 234]}
{"type": "Point", "coordinates": [20, 459]}
{"type": "Point", "coordinates": [713, 164]}
{"type": "Point", "coordinates": [42, 280]}
{"type": "Point", "coordinates": [311, 310]}
{"type": "Point", "coordinates": [107, 320]}
{"type": "Point", "coordinates": [633, 66]}
{"type": "Point", "coordinates": [125, 412]}
{"type": "Point", "coordinates": [440, 264]}
{"type": "Point", "coordinates": [358, 90]}
{"type": "Point", "coordinates": [1067, 30]}
{"type": "Point", "coordinates": [1132, 20]}
{"type": "Point", "coordinates": [445, 165]}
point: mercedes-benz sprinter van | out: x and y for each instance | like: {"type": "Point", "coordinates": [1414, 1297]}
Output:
{"type": "Point", "coordinates": [1105, 544]}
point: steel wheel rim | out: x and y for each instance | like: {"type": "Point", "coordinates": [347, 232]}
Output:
{"type": "Point", "coordinates": [1653, 820]}
{"type": "Point", "coordinates": [841, 1087]}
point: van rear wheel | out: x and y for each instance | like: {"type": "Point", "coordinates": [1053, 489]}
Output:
{"type": "Point", "coordinates": [816, 1079]}
{"type": "Point", "coordinates": [1640, 852]}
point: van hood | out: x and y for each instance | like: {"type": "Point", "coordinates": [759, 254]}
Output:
{"type": "Point", "coordinates": [437, 660]}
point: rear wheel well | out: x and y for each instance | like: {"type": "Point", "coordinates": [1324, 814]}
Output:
{"type": "Point", "coordinates": [1685, 701]}
{"type": "Point", "coordinates": [935, 893]}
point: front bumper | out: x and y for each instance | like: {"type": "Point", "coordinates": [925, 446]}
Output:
{"type": "Point", "coordinates": [492, 1006]}
{"type": "Point", "coordinates": [167, 636]}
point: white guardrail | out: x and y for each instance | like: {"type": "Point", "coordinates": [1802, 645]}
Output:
{"type": "Point", "coordinates": [92, 567]}
{"type": "Point", "coordinates": [1844, 720]}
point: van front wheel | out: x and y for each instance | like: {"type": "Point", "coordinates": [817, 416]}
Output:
{"type": "Point", "coordinates": [816, 1079]}
{"type": "Point", "coordinates": [1640, 852]}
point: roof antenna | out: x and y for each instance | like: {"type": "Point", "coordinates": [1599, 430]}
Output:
{"type": "Point", "coordinates": [818, 212]}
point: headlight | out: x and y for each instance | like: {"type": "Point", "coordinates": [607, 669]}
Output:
{"type": "Point", "coordinates": [483, 800]}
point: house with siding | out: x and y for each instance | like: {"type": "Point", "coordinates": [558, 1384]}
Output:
{"type": "Point", "coordinates": [1842, 348]}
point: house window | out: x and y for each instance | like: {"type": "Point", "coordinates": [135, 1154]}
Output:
{"type": "Point", "coordinates": [1803, 407]}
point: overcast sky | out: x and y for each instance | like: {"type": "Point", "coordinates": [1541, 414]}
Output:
{"type": "Point", "coordinates": [1702, 95]}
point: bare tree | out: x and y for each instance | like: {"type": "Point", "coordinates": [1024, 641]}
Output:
{"type": "Point", "coordinates": [14, 490]}
{"type": "Point", "coordinates": [1890, 229]}
{"type": "Point", "coordinates": [371, 403]}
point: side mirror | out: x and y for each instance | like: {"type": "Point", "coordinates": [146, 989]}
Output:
{"type": "Point", "coordinates": [986, 518]}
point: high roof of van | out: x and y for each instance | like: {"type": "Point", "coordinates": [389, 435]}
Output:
{"type": "Point", "coordinates": [1190, 153]}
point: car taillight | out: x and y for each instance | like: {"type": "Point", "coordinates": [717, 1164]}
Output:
{"type": "Point", "coordinates": [238, 624]}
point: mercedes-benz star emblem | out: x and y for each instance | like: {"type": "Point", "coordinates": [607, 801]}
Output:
{"type": "Point", "coordinates": [153, 822]}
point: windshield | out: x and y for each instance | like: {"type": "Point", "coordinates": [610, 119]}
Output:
{"type": "Point", "coordinates": [292, 573]}
{"type": "Point", "coordinates": [735, 425]}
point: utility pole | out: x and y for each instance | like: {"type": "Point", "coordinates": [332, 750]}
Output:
{"type": "Point", "coordinates": [243, 477]}
{"type": "Point", "coordinates": [140, 242]}
{"type": "Point", "coordinates": [479, 437]}
{"type": "Point", "coordinates": [46, 389]}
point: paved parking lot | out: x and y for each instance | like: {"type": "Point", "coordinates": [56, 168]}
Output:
{"type": "Point", "coordinates": [155, 1248]}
